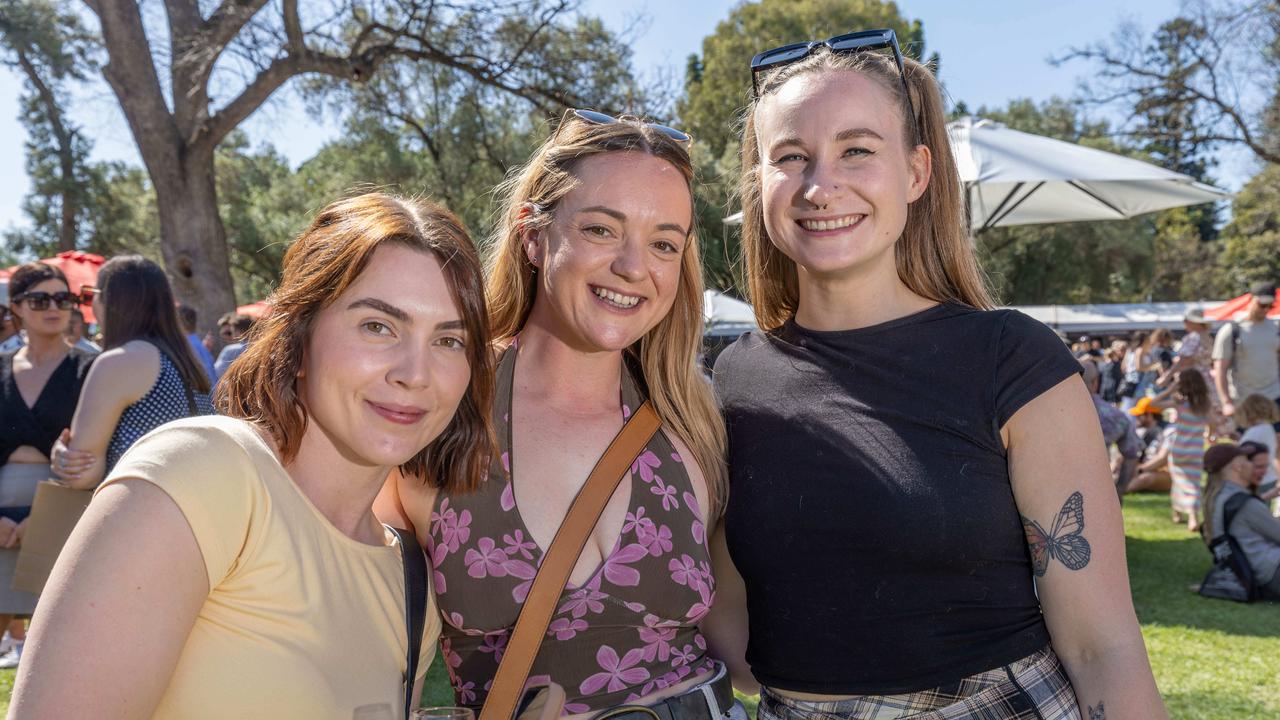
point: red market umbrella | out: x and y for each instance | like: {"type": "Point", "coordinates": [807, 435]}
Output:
{"type": "Point", "coordinates": [1236, 306]}
{"type": "Point", "coordinates": [255, 310]}
{"type": "Point", "coordinates": [81, 268]}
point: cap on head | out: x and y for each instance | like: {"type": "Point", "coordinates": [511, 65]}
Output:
{"type": "Point", "coordinates": [1195, 315]}
{"type": "Point", "coordinates": [1221, 455]}
{"type": "Point", "coordinates": [1264, 292]}
{"type": "Point", "coordinates": [1250, 448]}
{"type": "Point", "coordinates": [1145, 407]}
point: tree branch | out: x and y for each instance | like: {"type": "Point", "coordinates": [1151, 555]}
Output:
{"type": "Point", "coordinates": [292, 26]}
{"type": "Point", "coordinates": [66, 157]}
{"type": "Point", "coordinates": [132, 76]}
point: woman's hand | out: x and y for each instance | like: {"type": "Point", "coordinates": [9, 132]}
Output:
{"type": "Point", "coordinates": [70, 465]}
{"type": "Point", "coordinates": [11, 537]}
{"type": "Point", "coordinates": [10, 532]}
{"type": "Point", "coordinates": [1271, 494]}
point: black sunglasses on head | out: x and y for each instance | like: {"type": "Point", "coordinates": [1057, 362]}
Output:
{"type": "Point", "coordinates": [853, 42]}
{"type": "Point", "coordinates": [41, 300]}
{"type": "Point", "coordinates": [599, 118]}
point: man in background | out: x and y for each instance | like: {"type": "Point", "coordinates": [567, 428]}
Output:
{"type": "Point", "coordinates": [1246, 353]}
{"type": "Point", "coordinates": [232, 329]}
{"type": "Point", "coordinates": [1117, 429]}
{"type": "Point", "coordinates": [188, 318]}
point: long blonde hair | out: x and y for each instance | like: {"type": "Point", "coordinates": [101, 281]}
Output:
{"type": "Point", "coordinates": [934, 255]}
{"type": "Point", "coordinates": [666, 356]}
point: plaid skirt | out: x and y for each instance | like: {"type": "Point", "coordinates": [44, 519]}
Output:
{"type": "Point", "coordinates": [1033, 688]}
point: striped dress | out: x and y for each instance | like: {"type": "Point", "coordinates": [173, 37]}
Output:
{"type": "Point", "coordinates": [1186, 460]}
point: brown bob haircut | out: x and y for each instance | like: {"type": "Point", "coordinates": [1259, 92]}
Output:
{"type": "Point", "coordinates": [261, 385]}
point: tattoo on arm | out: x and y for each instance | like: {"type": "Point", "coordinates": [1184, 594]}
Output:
{"type": "Point", "coordinates": [1065, 542]}
{"type": "Point", "coordinates": [1097, 713]}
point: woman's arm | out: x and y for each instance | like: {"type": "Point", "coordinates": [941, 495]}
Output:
{"type": "Point", "coordinates": [1075, 532]}
{"type": "Point", "coordinates": [1158, 460]}
{"type": "Point", "coordinates": [118, 378]}
{"type": "Point", "coordinates": [725, 627]}
{"type": "Point", "coordinates": [116, 612]}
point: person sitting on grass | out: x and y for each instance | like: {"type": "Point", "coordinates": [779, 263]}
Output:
{"type": "Point", "coordinates": [1256, 416]}
{"type": "Point", "coordinates": [1260, 457]}
{"type": "Point", "coordinates": [1230, 474]}
{"type": "Point", "coordinates": [1116, 429]}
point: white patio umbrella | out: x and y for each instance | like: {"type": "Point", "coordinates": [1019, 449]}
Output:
{"type": "Point", "coordinates": [1016, 178]}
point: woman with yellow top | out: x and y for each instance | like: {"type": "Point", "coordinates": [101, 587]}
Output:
{"type": "Point", "coordinates": [232, 566]}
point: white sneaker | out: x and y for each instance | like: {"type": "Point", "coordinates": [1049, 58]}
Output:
{"type": "Point", "coordinates": [6, 643]}
{"type": "Point", "coordinates": [10, 659]}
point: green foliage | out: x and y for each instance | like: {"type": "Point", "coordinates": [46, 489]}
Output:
{"type": "Point", "coordinates": [120, 214]}
{"type": "Point", "coordinates": [46, 43]}
{"type": "Point", "coordinates": [263, 207]}
{"type": "Point", "coordinates": [1252, 239]}
{"type": "Point", "coordinates": [718, 86]}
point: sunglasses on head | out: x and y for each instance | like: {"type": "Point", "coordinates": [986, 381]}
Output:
{"type": "Point", "coordinates": [599, 118]}
{"type": "Point", "coordinates": [840, 44]}
{"type": "Point", "coordinates": [86, 294]}
{"type": "Point", "coordinates": [41, 300]}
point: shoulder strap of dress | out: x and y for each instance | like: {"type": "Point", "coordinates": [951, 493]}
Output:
{"type": "Point", "coordinates": [504, 377]}
{"type": "Point", "coordinates": [557, 564]}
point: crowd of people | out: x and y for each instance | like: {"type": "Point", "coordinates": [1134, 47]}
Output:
{"type": "Point", "coordinates": [891, 499]}
{"type": "Point", "coordinates": [1178, 413]}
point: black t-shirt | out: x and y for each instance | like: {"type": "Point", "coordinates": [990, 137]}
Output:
{"type": "Point", "coordinates": [870, 511]}
{"type": "Point", "coordinates": [40, 424]}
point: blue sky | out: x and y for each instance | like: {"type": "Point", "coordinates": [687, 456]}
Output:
{"type": "Point", "coordinates": [992, 51]}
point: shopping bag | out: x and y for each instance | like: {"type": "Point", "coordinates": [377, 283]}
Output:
{"type": "Point", "coordinates": [54, 514]}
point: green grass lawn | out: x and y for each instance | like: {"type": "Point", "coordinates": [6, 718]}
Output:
{"type": "Point", "coordinates": [1213, 659]}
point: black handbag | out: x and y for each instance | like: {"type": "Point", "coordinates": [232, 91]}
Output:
{"type": "Point", "coordinates": [1129, 384]}
{"type": "Point", "coordinates": [1231, 577]}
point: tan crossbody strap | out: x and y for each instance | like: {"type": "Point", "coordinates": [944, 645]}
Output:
{"type": "Point", "coordinates": [558, 563]}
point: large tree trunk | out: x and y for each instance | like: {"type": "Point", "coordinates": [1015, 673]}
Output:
{"type": "Point", "coordinates": [192, 238]}
{"type": "Point", "coordinates": [194, 242]}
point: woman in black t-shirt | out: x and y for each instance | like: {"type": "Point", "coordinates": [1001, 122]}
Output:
{"type": "Point", "coordinates": [920, 503]}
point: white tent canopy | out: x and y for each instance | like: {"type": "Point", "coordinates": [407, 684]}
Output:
{"type": "Point", "coordinates": [725, 315]}
{"type": "Point", "coordinates": [719, 309]}
{"type": "Point", "coordinates": [1016, 178]}
{"type": "Point", "coordinates": [1113, 318]}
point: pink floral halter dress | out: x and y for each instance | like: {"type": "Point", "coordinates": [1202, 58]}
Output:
{"type": "Point", "coordinates": [628, 631]}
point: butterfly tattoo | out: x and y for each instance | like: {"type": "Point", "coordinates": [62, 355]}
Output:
{"type": "Point", "coordinates": [1064, 542]}
{"type": "Point", "coordinates": [1097, 713]}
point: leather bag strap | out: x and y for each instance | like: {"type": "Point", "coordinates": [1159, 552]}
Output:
{"type": "Point", "coordinates": [558, 563]}
{"type": "Point", "coordinates": [415, 607]}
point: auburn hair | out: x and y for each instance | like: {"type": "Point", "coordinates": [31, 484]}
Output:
{"type": "Point", "coordinates": [934, 255]}
{"type": "Point", "coordinates": [261, 385]}
{"type": "Point", "coordinates": [666, 357]}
